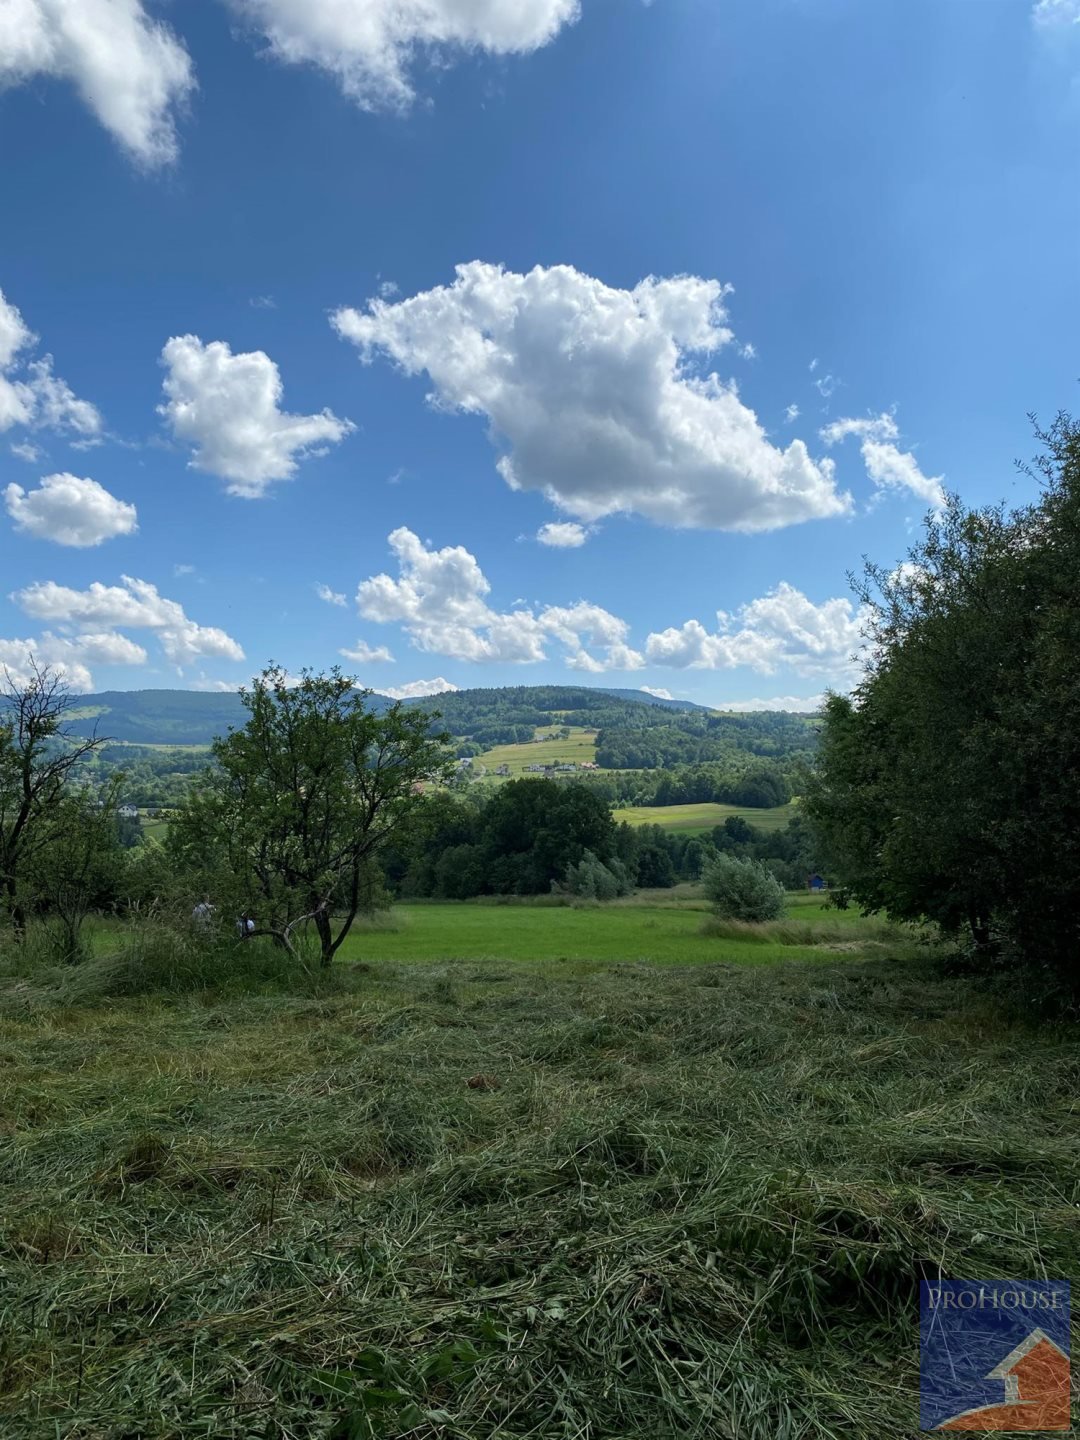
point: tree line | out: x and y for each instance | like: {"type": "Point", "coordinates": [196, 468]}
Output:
{"type": "Point", "coordinates": [948, 783]}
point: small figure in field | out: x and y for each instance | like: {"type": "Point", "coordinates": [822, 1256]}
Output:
{"type": "Point", "coordinates": [245, 926]}
{"type": "Point", "coordinates": [203, 912]}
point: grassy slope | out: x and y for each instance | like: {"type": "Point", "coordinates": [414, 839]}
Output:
{"type": "Point", "coordinates": [580, 746]}
{"type": "Point", "coordinates": [703, 817]}
{"type": "Point", "coordinates": [690, 1204]}
{"type": "Point", "coordinates": [649, 929]}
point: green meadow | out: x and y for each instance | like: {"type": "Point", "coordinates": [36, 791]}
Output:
{"type": "Point", "coordinates": [581, 746]}
{"type": "Point", "coordinates": [656, 927]}
{"type": "Point", "coordinates": [704, 816]}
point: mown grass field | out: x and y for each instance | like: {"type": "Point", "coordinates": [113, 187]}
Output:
{"type": "Point", "coordinates": [658, 927]}
{"type": "Point", "coordinates": [704, 817]}
{"type": "Point", "coordinates": [581, 746]}
{"type": "Point", "coordinates": [478, 1199]}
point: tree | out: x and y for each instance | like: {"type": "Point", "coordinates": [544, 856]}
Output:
{"type": "Point", "coordinates": [948, 787]}
{"type": "Point", "coordinates": [743, 889]}
{"type": "Point", "coordinates": [79, 867]}
{"type": "Point", "coordinates": [38, 759]}
{"type": "Point", "coordinates": [287, 820]}
{"type": "Point", "coordinates": [531, 830]}
{"type": "Point", "coordinates": [591, 879]}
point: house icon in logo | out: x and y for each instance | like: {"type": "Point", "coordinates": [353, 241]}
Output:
{"type": "Point", "coordinates": [1036, 1376]}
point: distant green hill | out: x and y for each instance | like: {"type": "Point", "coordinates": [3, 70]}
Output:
{"type": "Point", "coordinates": [494, 716]}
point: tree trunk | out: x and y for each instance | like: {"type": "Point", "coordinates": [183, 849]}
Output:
{"type": "Point", "coordinates": [326, 939]}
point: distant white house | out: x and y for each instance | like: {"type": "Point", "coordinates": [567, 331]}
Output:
{"type": "Point", "coordinates": [128, 811]}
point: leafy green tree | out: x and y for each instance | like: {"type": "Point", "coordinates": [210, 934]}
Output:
{"type": "Point", "coordinates": [948, 787]}
{"type": "Point", "coordinates": [39, 758]}
{"type": "Point", "coordinates": [287, 821]}
{"type": "Point", "coordinates": [532, 829]}
{"type": "Point", "coordinates": [592, 879]}
{"type": "Point", "coordinates": [743, 889]}
{"type": "Point", "coordinates": [79, 867]}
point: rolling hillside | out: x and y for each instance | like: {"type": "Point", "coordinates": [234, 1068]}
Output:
{"type": "Point", "coordinates": [192, 717]}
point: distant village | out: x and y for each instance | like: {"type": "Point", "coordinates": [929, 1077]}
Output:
{"type": "Point", "coordinates": [473, 768]}
{"type": "Point", "coordinates": [566, 767]}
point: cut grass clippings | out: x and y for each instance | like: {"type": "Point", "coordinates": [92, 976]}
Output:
{"type": "Point", "coordinates": [483, 1201]}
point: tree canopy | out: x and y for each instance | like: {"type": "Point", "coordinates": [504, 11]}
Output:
{"type": "Point", "coordinates": [287, 820]}
{"type": "Point", "coordinates": [948, 785]}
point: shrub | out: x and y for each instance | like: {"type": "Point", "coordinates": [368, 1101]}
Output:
{"type": "Point", "coordinates": [591, 879]}
{"type": "Point", "coordinates": [743, 890]}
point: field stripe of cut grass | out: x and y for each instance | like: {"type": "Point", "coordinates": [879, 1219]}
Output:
{"type": "Point", "coordinates": [704, 816]}
{"type": "Point", "coordinates": [462, 1201]}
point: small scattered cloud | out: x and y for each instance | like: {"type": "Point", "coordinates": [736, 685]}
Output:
{"type": "Point", "coordinates": [331, 597]}
{"type": "Point", "coordinates": [31, 395]}
{"type": "Point", "coordinates": [797, 704]}
{"type": "Point", "coordinates": [263, 302]}
{"type": "Point", "coordinates": [826, 386]}
{"type": "Point", "coordinates": [25, 451]}
{"type": "Point", "coordinates": [70, 510]}
{"type": "Point", "coordinates": [657, 692]}
{"type": "Point", "coordinates": [216, 687]}
{"type": "Point", "coordinates": [439, 597]}
{"type": "Point", "coordinates": [180, 570]}
{"type": "Point", "coordinates": [70, 656]}
{"type": "Point", "coordinates": [791, 414]}
{"type": "Point", "coordinates": [134, 604]}
{"type": "Point", "coordinates": [228, 409]}
{"type": "Point", "coordinates": [1053, 13]}
{"type": "Point", "coordinates": [563, 535]}
{"type": "Point", "coordinates": [889, 467]}
{"type": "Point", "coordinates": [365, 654]}
{"type": "Point", "coordinates": [783, 629]}
{"type": "Point", "coordinates": [418, 689]}
{"type": "Point", "coordinates": [388, 289]}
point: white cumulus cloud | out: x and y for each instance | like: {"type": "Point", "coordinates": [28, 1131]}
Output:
{"type": "Point", "coordinates": [783, 629]}
{"type": "Point", "coordinates": [889, 467]}
{"type": "Point", "coordinates": [562, 534]}
{"type": "Point", "coordinates": [70, 510]}
{"type": "Point", "coordinates": [596, 397]}
{"type": "Point", "coordinates": [799, 704]}
{"type": "Point", "coordinates": [439, 598]}
{"type": "Point", "coordinates": [129, 69]}
{"type": "Point", "coordinates": [134, 604]}
{"type": "Point", "coordinates": [70, 657]}
{"type": "Point", "coordinates": [370, 46]}
{"type": "Point", "coordinates": [331, 597]}
{"type": "Point", "coordinates": [30, 394]}
{"type": "Point", "coordinates": [1051, 13]}
{"type": "Point", "coordinates": [228, 409]}
{"type": "Point", "coordinates": [658, 692]}
{"type": "Point", "coordinates": [417, 689]}
{"type": "Point", "coordinates": [365, 654]}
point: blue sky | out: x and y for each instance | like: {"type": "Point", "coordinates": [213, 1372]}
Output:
{"type": "Point", "coordinates": [547, 204]}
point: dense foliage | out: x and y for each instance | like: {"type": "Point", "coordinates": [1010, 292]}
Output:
{"type": "Point", "coordinates": [948, 786]}
{"type": "Point", "coordinates": [286, 824]}
{"type": "Point", "coordinates": [657, 740]}
{"type": "Point", "coordinates": [743, 889]}
{"type": "Point", "coordinates": [528, 836]}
